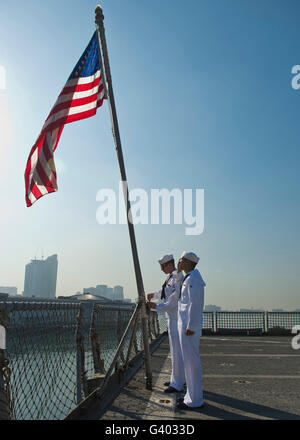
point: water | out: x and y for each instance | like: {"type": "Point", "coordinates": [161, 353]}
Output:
{"type": "Point", "coordinates": [43, 363]}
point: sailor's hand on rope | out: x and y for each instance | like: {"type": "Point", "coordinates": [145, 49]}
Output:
{"type": "Point", "coordinates": [150, 296]}
{"type": "Point", "coordinates": [151, 305]}
{"type": "Point", "coordinates": [189, 332]}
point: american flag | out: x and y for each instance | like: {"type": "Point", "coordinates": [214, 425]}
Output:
{"type": "Point", "coordinates": [79, 99]}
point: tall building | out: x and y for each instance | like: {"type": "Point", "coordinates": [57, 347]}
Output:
{"type": "Point", "coordinates": [212, 308]}
{"type": "Point", "coordinates": [100, 290]}
{"type": "Point", "coordinates": [40, 278]}
{"type": "Point", "coordinates": [112, 293]}
{"type": "Point", "coordinates": [9, 290]}
{"type": "Point", "coordinates": [118, 293]}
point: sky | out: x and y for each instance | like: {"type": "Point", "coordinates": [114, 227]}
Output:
{"type": "Point", "coordinates": [204, 101]}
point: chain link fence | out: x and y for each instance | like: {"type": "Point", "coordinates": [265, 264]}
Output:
{"type": "Point", "coordinates": [41, 359]}
{"type": "Point", "coordinates": [116, 337]}
{"type": "Point", "coordinates": [239, 320]}
{"type": "Point", "coordinates": [54, 349]}
{"type": "Point", "coordinates": [282, 320]}
{"type": "Point", "coordinates": [108, 324]}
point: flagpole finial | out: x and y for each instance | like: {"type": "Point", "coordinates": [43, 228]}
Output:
{"type": "Point", "coordinates": [99, 13]}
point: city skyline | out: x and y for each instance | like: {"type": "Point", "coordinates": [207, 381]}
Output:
{"type": "Point", "coordinates": [207, 307]}
{"type": "Point", "coordinates": [92, 290]}
{"type": "Point", "coordinates": [109, 292]}
{"type": "Point", "coordinates": [210, 107]}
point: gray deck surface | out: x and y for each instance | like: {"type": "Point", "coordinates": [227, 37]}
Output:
{"type": "Point", "coordinates": [247, 378]}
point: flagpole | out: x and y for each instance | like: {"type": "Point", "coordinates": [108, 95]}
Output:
{"type": "Point", "coordinates": [99, 17]}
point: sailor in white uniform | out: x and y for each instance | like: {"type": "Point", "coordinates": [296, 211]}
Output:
{"type": "Point", "coordinates": [190, 318]}
{"type": "Point", "coordinates": [169, 294]}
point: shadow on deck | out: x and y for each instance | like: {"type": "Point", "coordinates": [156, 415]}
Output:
{"type": "Point", "coordinates": [244, 378]}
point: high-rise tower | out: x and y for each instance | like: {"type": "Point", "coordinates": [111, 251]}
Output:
{"type": "Point", "coordinates": [40, 278]}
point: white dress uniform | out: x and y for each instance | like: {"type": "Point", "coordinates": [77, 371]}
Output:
{"type": "Point", "coordinates": [169, 305]}
{"type": "Point", "coordinates": [190, 316]}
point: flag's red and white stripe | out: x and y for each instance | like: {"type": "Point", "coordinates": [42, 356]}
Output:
{"type": "Point", "coordinates": [79, 99]}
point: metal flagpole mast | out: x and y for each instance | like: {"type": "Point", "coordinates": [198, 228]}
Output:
{"type": "Point", "coordinates": [116, 134]}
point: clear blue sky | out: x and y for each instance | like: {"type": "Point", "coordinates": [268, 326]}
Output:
{"type": "Point", "coordinates": [204, 100]}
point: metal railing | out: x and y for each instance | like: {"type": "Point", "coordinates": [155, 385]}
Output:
{"type": "Point", "coordinates": [54, 350]}
{"type": "Point", "coordinates": [40, 354]}
{"type": "Point", "coordinates": [261, 322]}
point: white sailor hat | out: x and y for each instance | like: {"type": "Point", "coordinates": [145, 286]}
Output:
{"type": "Point", "coordinates": [190, 256]}
{"type": "Point", "coordinates": [166, 259]}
